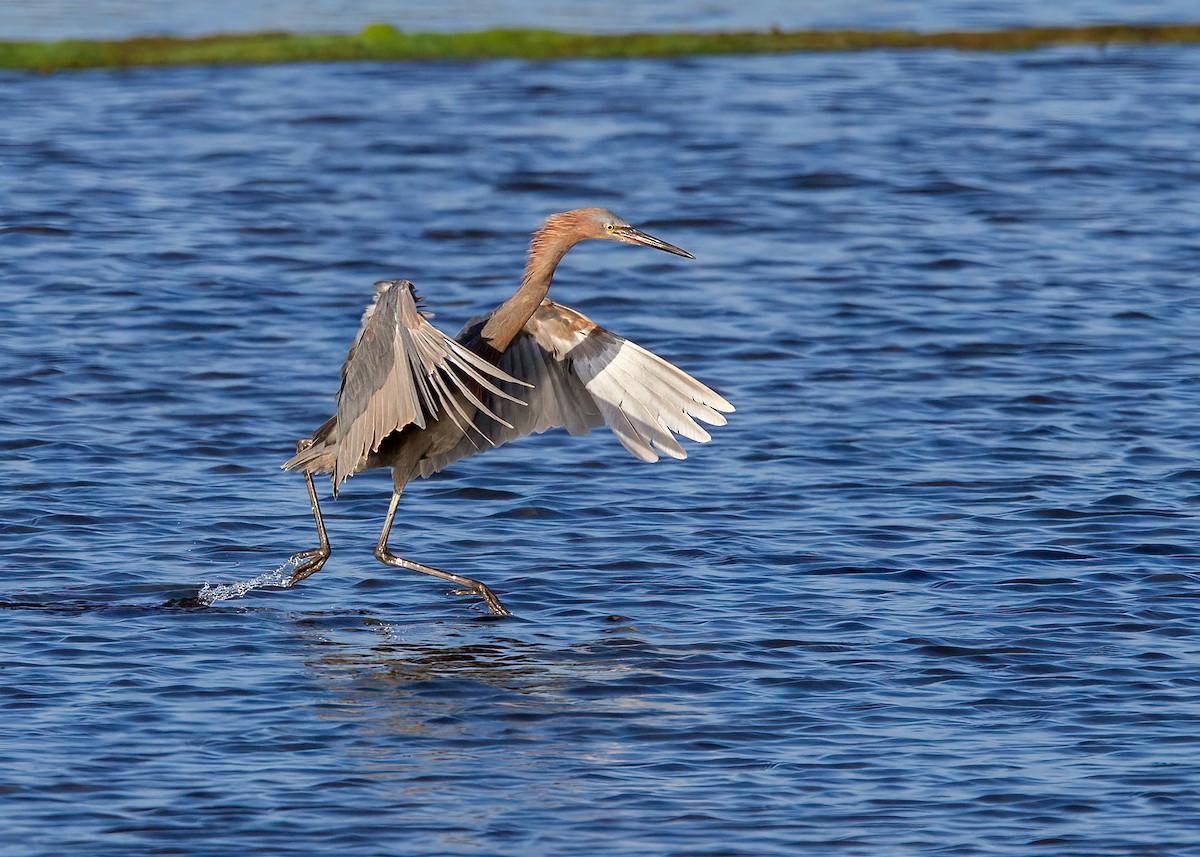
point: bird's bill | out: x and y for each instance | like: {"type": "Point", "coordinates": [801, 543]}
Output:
{"type": "Point", "coordinates": [637, 236]}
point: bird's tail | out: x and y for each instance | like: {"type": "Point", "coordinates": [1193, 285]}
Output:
{"type": "Point", "coordinates": [314, 455]}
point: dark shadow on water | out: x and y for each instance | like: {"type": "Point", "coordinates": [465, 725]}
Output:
{"type": "Point", "coordinates": [76, 600]}
{"type": "Point", "coordinates": [157, 597]}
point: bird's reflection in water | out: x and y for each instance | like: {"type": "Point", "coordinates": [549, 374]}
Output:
{"type": "Point", "coordinates": [506, 665]}
{"type": "Point", "coordinates": [477, 692]}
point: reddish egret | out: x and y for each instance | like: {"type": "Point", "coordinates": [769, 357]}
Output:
{"type": "Point", "coordinates": [415, 400]}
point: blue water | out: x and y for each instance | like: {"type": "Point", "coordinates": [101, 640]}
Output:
{"type": "Point", "coordinates": [933, 590]}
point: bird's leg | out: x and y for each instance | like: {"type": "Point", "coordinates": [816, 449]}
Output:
{"type": "Point", "coordinates": [310, 561]}
{"type": "Point", "coordinates": [386, 556]}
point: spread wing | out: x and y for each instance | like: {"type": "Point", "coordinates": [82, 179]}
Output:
{"type": "Point", "coordinates": [400, 371]}
{"type": "Point", "coordinates": [584, 376]}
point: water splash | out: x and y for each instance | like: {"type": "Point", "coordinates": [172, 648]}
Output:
{"type": "Point", "coordinates": [210, 593]}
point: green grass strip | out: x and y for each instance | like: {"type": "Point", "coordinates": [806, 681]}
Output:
{"type": "Point", "coordinates": [381, 42]}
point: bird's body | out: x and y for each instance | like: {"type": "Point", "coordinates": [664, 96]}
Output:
{"type": "Point", "coordinates": [415, 400]}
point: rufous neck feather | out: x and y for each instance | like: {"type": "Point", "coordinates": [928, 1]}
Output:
{"type": "Point", "coordinates": [559, 234]}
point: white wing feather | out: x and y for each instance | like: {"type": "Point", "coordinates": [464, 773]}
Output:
{"type": "Point", "coordinates": [584, 376]}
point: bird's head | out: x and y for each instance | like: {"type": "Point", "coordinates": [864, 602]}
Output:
{"type": "Point", "coordinates": [603, 225]}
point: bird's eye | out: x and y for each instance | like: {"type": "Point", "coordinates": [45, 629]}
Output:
{"type": "Point", "coordinates": [610, 227]}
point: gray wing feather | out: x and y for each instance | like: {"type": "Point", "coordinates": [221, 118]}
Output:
{"type": "Point", "coordinates": [584, 376]}
{"type": "Point", "coordinates": [401, 370]}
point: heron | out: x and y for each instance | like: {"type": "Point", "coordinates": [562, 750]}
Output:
{"type": "Point", "coordinates": [417, 400]}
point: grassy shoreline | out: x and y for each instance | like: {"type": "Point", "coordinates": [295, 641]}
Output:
{"type": "Point", "coordinates": [382, 42]}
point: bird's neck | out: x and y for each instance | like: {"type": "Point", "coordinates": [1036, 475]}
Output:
{"type": "Point", "coordinates": [546, 250]}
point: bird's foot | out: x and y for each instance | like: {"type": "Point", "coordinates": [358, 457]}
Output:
{"type": "Point", "coordinates": [489, 598]}
{"type": "Point", "coordinates": [469, 585]}
{"type": "Point", "coordinates": [307, 564]}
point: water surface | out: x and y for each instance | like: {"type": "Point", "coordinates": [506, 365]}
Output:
{"type": "Point", "coordinates": [932, 590]}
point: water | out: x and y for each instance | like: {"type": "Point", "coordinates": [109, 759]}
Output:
{"type": "Point", "coordinates": [933, 590]}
